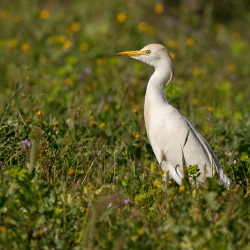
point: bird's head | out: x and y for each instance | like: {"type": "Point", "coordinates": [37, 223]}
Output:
{"type": "Point", "coordinates": [155, 55]}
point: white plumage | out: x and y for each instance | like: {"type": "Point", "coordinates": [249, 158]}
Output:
{"type": "Point", "coordinates": [170, 134]}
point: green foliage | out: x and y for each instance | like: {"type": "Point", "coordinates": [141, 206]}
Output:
{"type": "Point", "coordinates": [77, 170]}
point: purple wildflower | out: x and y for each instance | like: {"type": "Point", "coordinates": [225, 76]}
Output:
{"type": "Point", "coordinates": [81, 77]}
{"type": "Point", "coordinates": [45, 229]}
{"type": "Point", "coordinates": [211, 219]}
{"type": "Point", "coordinates": [234, 162]}
{"type": "Point", "coordinates": [109, 205]}
{"type": "Point", "coordinates": [88, 70]}
{"type": "Point", "coordinates": [233, 78]}
{"type": "Point", "coordinates": [78, 183]}
{"type": "Point", "coordinates": [2, 169]}
{"type": "Point", "coordinates": [109, 98]}
{"type": "Point", "coordinates": [113, 180]}
{"type": "Point", "coordinates": [139, 164]}
{"type": "Point", "coordinates": [228, 154]}
{"type": "Point", "coordinates": [115, 164]}
{"type": "Point", "coordinates": [26, 143]}
{"type": "Point", "coordinates": [126, 201]}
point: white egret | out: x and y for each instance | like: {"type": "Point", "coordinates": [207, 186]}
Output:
{"type": "Point", "coordinates": [170, 134]}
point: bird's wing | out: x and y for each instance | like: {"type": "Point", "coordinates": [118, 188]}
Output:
{"type": "Point", "coordinates": [170, 139]}
{"type": "Point", "coordinates": [215, 164]}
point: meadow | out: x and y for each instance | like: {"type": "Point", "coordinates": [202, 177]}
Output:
{"type": "Point", "coordinates": [77, 169]}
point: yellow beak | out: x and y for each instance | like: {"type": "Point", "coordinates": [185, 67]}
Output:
{"type": "Point", "coordinates": [133, 53]}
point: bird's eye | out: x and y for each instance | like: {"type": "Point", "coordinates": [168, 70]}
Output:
{"type": "Point", "coordinates": [147, 51]}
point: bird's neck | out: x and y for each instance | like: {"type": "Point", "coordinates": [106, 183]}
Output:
{"type": "Point", "coordinates": [156, 86]}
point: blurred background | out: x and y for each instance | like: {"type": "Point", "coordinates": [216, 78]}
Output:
{"type": "Point", "coordinates": [59, 55]}
{"type": "Point", "coordinates": [53, 45]}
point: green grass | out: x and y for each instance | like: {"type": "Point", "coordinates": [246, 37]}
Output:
{"type": "Point", "coordinates": [89, 178]}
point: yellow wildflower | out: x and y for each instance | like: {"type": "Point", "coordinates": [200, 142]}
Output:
{"type": "Point", "coordinates": [100, 61]}
{"type": "Point", "coordinates": [134, 238]}
{"type": "Point", "coordinates": [55, 123]}
{"type": "Point", "coordinates": [236, 36]}
{"type": "Point", "coordinates": [3, 229]}
{"type": "Point", "coordinates": [75, 26]}
{"type": "Point", "coordinates": [44, 14]}
{"type": "Point", "coordinates": [67, 44]}
{"type": "Point", "coordinates": [102, 125]}
{"type": "Point", "coordinates": [237, 116]}
{"type": "Point", "coordinates": [194, 101]}
{"type": "Point", "coordinates": [84, 46]}
{"type": "Point", "coordinates": [218, 27]}
{"type": "Point", "coordinates": [94, 85]}
{"type": "Point", "coordinates": [190, 42]}
{"type": "Point", "coordinates": [137, 136]}
{"type": "Point", "coordinates": [63, 39]}
{"type": "Point", "coordinates": [17, 19]}
{"type": "Point", "coordinates": [196, 72]}
{"type": "Point", "coordinates": [181, 188]}
{"type": "Point", "coordinates": [172, 44]}
{"type": "Point", "coordinates": [230, 68]}
{"type": "Point", "coordinates": [106, 107]}
{"type": "Point", "coordinates": [88, 88]}
{"type": "Point", "coordinates": [134, 110]}
{"type": "Point", "coordinates": [142, 26]}
{"type": "Point", "coordinates": [5, 14]}
{"type": "Point", "coordinates": [152, 167]}
{"type": "Point", "coordinates": [141, 231]}
{"type": "Point", "coordinates": [92, 122]}
{"type": "Point", "coordinates": [158, 8]}
{"type": "Point", "coordinates": [41, 57]}
{"type": "Point", "coordinates": [68, 81]}
{"type": "Point", "coordinates": [150, 30]}
{"type": "Point", "coordinates": [172, 55]}
{"type": "Point", "coordinates": [209, 109]}
{"type": "Point", "coordinates": [210, 60]}
{"type": "Point", "coordinates": [162, 173]}
{"type": "Point", "coordinates": [71, 171]}
{"type": "Point", "coordinates": [39, 113]}
{"type": "Point", "coordinates": [194, 192]}
{"type": "Point", "coordinates": [12, 44]}
{"type": "Point", "coordinates": [157, 184]}
{"type": "Point", "coordinates": [25, 47]}
{"type": "Point", "coordinates": [121, 17]}
{"type": "Point", "coordinates": [122, 123]}
{"type": "Point", "coordinates": [54, 39]}
{"type": "Point", "coordinates": [42, 71]}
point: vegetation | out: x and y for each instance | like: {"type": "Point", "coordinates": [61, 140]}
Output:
{"type": "Point", "coordinates": [77, 170]}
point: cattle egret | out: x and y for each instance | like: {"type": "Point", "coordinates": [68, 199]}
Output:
{"type": "Point", "coordinates": [172, 137]}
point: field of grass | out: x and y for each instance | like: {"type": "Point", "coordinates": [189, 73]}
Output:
{"type": "Point", "coordinates": [77, 170]}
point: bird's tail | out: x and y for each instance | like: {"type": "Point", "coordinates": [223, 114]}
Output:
{"type": "Point", "coordinates": [226, 181]}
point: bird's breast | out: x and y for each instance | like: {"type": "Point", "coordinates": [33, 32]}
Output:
{"type": "Point", "coordinates": [147, 116]}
